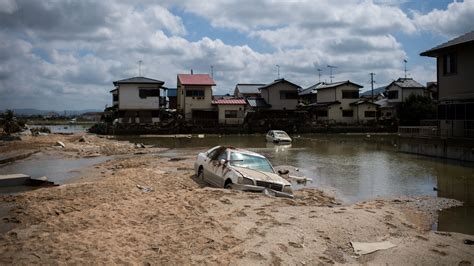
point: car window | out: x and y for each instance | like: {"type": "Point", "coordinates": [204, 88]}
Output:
{"type": "Point", "coordinates": [223, 155]}
{"type": "Point", "coordinates": [213, 152]}
{"type": "Point", "coordinates": [250, 161]}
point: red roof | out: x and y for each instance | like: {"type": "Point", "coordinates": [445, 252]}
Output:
{"type": "Point", "coordinates": [229, 102]}
{"type": "Point", "coordinates": [196, 79]}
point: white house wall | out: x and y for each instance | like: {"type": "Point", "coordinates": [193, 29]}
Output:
{"type": "Point", "coordinates": [129, 98]}
{"type": "Point", "coordinates": [272, 97]}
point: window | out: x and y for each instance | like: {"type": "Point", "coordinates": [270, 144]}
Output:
{"type": "Point", "coordinates": [194, 93]}
{"type": "Point", "coordinates": [450, 64]}
{"type": "Point", "coordinates": [115, 97]}
{"type": "Point", "coordinates": [144, 93]}
{"type": "Point", "coordinates": [288, 95]}
{"type": "Point", "coordinates": [369, 113]}
{"type": "Point", "coordinates": [230, 113]}
{"type": "Point", "coordinates": [393, 95]}
{"type": "Point", "coordinates": [322, 113]}
{"type": "Point", "coordinates": [347, 113]}
{"type": "Point", "coordinates": [350, 94]}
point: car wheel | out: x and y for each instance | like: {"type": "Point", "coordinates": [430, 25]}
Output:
{"type": "Point", "coordinates": [228, 184]}
{"type": "Point", "coordinates": [200, 174]}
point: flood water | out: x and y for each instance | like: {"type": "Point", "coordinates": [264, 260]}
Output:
{"type": "Point", "coordinates": [357, 168]}
{"type": "Point", "coordinates": [66, 128]}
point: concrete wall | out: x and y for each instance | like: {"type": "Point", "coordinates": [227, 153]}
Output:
{"type": "Point", "coordinates": [444, 148]}
{"type": "Point", "coordinates": [272, 96]}
{"type": "Point", "coordinates": [326, 95]}
{"type": "Point", "coordinates": [459, 84]}
{"type": "Point", "coordinates": [359, 112]}
{"type": "Point", "coordinates": [130, 99]}
{"type": "Point", "coordinates": [231, 121]}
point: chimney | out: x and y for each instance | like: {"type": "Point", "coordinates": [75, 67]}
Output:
{"type": "Point", "coordinates": [191, 71]}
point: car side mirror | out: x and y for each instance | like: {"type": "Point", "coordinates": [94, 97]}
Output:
{"type": "Point", "coordinates": [222, 161]}
{"type": "Point", "coordinates": [283, 172]}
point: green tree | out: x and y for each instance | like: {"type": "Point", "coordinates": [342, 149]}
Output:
{"type": "Point", "coordinates": [416, 108]}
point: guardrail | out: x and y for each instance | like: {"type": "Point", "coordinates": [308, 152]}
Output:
{"type": "Point", "coordinates": [428, 131]}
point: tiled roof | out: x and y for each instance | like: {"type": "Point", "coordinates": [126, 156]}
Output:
{"type": "Point", "coordinates": [336, 84]}
{"type": "Point", "coordinates": [141, 80]}
{"type": "Point", "coordinates": [257, 102]}
{"type": "Point", "coordinates": [324, 104]}
{"type": "Point", "coordinates": [310, 90]}
{"type": "Point", "coordinates": [359, 102]}
{"type": "Point", "coordinates": [196, 79]}
{"type": "Point", "coordinates": [279, 81]}
{"type": "Point", "coordinates": [407, 83]}
{"type": "Point", "coordinates": [377, 91]}
{"type": "Point", "coordinates": [235, 101]}
{"type": "Point", "coordinates": [463, 39]}
{"type": "Point", "coordinates": [249, 88]}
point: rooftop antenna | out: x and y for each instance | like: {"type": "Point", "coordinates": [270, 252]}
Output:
{"type": "Point", "coordinates": [278, 70]}
{"type": "Point", "coordinates": [140, 68]}
{"type": "Point", "coordinates": [319, 74]}
{"type": "Point", "coordinates": [404, 60]}
{"type": "Point", "coordinates": [330, 69]}
{"type": "Point", "coordinates": [372, 83]}
{"type": "Point", "coordinates": [212, 71]}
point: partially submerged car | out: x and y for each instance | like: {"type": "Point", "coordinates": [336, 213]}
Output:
{"type": "Point", "coordinates": [229, 167]}
{"type": "Point", "coordinates": [277, 136]}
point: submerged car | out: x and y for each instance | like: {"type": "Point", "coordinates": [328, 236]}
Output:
{"type": "Point", "coordinates": [229, 167]}
{"type": "Point", "coordinates": [277, 136]}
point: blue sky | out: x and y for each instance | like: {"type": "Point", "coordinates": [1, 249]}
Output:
{"type": "Point", "coordinates": [64, 54]}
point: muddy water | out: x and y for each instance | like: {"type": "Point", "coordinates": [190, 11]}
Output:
{"type": "Point", "coordinates": [358, 167]}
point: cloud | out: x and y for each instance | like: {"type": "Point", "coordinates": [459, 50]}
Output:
{"type": "Point", "coordinates": [456, 20]}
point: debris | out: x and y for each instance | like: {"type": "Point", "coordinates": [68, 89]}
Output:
{"type": "Point", "coordinates": [362, 248]}
{"type": "Point", "coordinates": [175, 159]}
{"type": "Point", "coordinates": [40, 181]}
{"type": "Point", "coordinates": [468, 242]}
{"type": "Point", "coordinates": [83, 139]}
{"type": "Point", "coordinates": [13, 180]}
{"type": "Point", "coordinates": [139, 145]}
{"type": "Point", "coordinates": [145, 189]}
{"type": "Point", "coordinates": [60, 143]}
{"type": "Point", "coordinates": [200, 136]}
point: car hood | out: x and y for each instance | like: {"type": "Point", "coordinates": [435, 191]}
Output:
{"type": "Point", "coordinates": [261, 176]}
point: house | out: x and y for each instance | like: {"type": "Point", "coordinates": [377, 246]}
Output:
{"type": "Point", "coordinates": [399, 90]}
{"type": "Point", "coordinates": [280, 95]}
{"type": "Point", "coordinates": [194, 99]}
{"type": "Point", "coordinates": [246, 90]}
{"type": "Point", "coordinates": [431, 90]}
{"type": "Point", "coordinates": [172, 98]}
{"type": "Point", "coordinates": [334, 102]}
{"type": "Point", "coordinates": [115, 97]}
{"type": "Point", "coordinates": [139, 99]}
{"type": "Point", "coordinates": [310, 94]}
{"type": "Point", "coordinates": [455, 76]}
{"type": "Point", "coordinates": [378, 94]}
{"type": "Point", "coordinates": [230, 111]}
{"type": "Point", "coordinates": [364, 111]}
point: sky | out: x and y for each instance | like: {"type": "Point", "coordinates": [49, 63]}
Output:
{"type": "Point", "coordinates": [65, 54]}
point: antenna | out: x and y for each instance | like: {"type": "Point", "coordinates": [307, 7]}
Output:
{"type": "Point", "coordinates": [404, 60]}
{"type": "Point", "coordinates": [212, 71]}
{"type": "Point", "coordinates": [330, 69]}
{"type": "Point", "coordinates": [140, 68]}
{"type": "Point", "coordinates": [372, 83]}
{"type": "Point", "coordinates": [278, 69]}
{"type": "Point", "coordinates": [319, 74]}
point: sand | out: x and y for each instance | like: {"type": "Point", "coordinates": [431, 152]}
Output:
{"type": "Point", "coordinates": [182, 221]}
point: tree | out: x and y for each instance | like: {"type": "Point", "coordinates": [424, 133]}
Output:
{"type": "Point", "coordinates": [416, 108]}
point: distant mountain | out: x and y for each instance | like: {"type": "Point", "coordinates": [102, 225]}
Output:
{"type": "Point", "coordinates": [376, 91]}
{"type": "Point", "coordinates": [31, 111]}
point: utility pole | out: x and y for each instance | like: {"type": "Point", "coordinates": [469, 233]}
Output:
{"type": "Point", "coordinates": [319, 74]}
{"type": "Point", "coordinates": [278, 70]}
{"type": "Point", "coordinates": [404, 60]}
{"type": "Point", "coordinates": [212, 71]}
{"type": "Point", "coordinates": [372, 84]}
{"type": "Point", "coordinates": [140, 68]}
{"type": "Point", "coordinates": [330, 71]}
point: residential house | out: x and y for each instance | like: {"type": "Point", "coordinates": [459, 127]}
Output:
{"type": "Point", "coordinates": [280, 95]}
{"type": "Point", "coordinates": [397, 92]}
{"type": "Point", "coordinates": [246, 90]}
{"type": "Point", "coordinates": [334, 102]}
{"type": "Point", "coordinates": [375, 95]}
{"type": "Point", "coordinates": [139, 99]}
{"type": "Point", "coordinates": [195, 96]}
{"type": "Point", "coordinates": [309, 95]}
{"type": "Point", "coordinates": [230, 111]}
{"type": "Point", "coordinates": [115, 97]}
{"type": "Point", "coordinates": [455, 74]}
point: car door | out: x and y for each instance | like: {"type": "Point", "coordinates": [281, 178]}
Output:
{"type": "Point", "coordinates": [219, 168]}
{"type": "Point", "coordinates": [208, 165]}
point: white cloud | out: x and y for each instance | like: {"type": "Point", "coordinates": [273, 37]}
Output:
{"type": "Point", "coordinates": [8, 6]}
{"type": "Point", "coordinates": [457, 19]}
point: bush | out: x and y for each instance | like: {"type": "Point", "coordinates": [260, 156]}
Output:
{"type": "Point", "coordinates": [416, 108]}
{"type": "Point", "coordinates": [43, 129]}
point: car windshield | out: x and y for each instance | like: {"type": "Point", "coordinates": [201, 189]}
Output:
{"type": "Point", "coordinates": [281, 134]}
{"type": "Point", "coordinates": [250, 161]}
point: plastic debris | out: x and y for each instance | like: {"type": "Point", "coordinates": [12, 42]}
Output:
{"type": "Point", "coordinates": [145, 189]}
{"type": "Point", "coordinates": [60, 143]}
{"type": "Point", "coordinates": [362, 248]}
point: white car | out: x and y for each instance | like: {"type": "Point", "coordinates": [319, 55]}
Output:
{"type": "Point", "coordinates": [229, 167]}
{"type": "Point", "coordinates": [277, 136]}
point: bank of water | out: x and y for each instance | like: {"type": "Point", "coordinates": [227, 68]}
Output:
{"type": "Point", "coordinates": [66, 128]}
{"type": "Point", "coordinates": [357, 168]}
